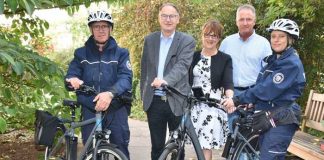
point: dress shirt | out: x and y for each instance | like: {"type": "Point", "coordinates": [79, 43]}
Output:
{"type": "Point", "coordinates": [165, 43]}
{"type": "Point", "coordinates": [247, 57]}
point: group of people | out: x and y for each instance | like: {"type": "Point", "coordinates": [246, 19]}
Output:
{"type": "Point", "coordinates": [244, 68]}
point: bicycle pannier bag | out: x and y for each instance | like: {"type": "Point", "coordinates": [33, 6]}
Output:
{"type": "Point", "coordinates": [262, 122]}
{"type": "Point", "coordinates": [45, 128]}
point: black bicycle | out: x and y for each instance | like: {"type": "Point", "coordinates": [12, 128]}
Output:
{"type": "Point", "coordinates": [64, 145]}
{"type": "Point", "coordinates": [242, 144]}
{"type": "Point", "coordinates": [174, 147]}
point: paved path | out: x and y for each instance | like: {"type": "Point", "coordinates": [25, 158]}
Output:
{"type": "Point", "coordinates": [140, 145]}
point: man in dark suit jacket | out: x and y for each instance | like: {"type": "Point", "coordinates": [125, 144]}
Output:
{"type": "Point", "coordinates": [167, 55]}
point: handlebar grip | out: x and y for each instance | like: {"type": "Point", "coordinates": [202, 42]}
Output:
{"type": "Point", "coordinates": [67, 102]}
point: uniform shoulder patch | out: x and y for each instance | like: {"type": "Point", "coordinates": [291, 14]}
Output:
{"type": "Point", "coordinates": [128, 65]}
{"type": "Point", "coordinates": [278, 78]}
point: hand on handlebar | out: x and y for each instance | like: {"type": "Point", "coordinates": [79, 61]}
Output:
{"type": "Point", "coordinates": [158, 82]}
{"type": "Point", "coordinates": [74, 82]}
{"type": "Point", "coordinates": [229, 105]}
{"type": "Point", "coordinates": [103, 101]}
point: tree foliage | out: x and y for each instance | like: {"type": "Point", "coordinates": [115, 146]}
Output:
{"type": "Point", "coordinates": [29, 81]}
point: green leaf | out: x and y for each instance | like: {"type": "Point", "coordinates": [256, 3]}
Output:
{"type": "Point", "coordinates": [1, 79]}
{"type": "Point", "coordinates": [18, 68]}
{"type": "Point", "coordinates": [3, 125]}
{"type": "Point", "coordinates": [29, 7]}
{"type": "Point", "coordinates": [11, 111]}
{"type": "Point", "coordinates": [13, 5]}
{"type": "Point", "coordinates": [46, 24]}
{"type": "Point", "coordinates": [69, 2]}
{"type": "Point", "coordinates": [1, 6]}
{"type": "Point", "coordinates": [7, 93]}
{"type": "Point", "coordinates": [87, 4]}
{"type": "Point", "coordinates": [48, 3]}
{"type": "Point", "coordinates": [8, 58]}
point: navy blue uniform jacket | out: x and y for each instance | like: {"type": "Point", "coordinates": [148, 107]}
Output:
{"type": "Point", "coordinates": [279, 83]}
{"type": "Point", "coordinates": [106, 71]}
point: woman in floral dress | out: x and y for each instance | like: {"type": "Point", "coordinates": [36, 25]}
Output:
{"type": "Point", "coordinates": [212, 71]}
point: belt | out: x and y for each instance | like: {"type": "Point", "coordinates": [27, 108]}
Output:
{"type": "Point", "coordinates": [243, 88]}
{"type": "Point", "coordinates": [163, 98]}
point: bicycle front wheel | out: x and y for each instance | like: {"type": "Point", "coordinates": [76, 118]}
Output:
{"type": "Point", "coordinates": [170, 152]}
{"type": "Point", "coordinates": [247, 151]}
{"type": "Point", "coordinates": [106, 153]}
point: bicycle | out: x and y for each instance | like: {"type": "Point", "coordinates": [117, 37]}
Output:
{"type": "Point", "coordinates": [97, 145]}
{"type": "Point", "coordinates": [174, 147]}
{"type": "Point", "coordinates": [242, 144]}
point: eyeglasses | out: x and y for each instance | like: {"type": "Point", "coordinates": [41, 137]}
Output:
{"type": "Point", "coordinates": [100, 27]}
{"type": "Point", "coordinates": [213, 37]}
{"type": "Point", "coordinates": [171, 16]}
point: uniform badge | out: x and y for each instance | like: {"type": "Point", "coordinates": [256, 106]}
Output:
{"type": "Point", "coordinates": [128, 65]}
{"type": "Point", "coordinates": [278, 78]}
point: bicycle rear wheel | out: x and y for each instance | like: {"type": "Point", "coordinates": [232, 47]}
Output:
{"type": "Point", "coordinates": [106, 153]}
{"type": "Point", "coordinates": [57, 149]}
{"type": "Point", "coordinates": [245, 152]}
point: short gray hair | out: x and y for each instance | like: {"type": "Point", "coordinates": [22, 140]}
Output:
{"type": "Point", "coordinates": [247, 7]}
{"type": "Point", "coordinates": [169, 4]}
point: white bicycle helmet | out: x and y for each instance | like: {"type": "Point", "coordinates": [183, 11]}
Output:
{"type": "Point", "coordinates": [100, 16]}
{"type": "Point", "coordinates": [285, 25]}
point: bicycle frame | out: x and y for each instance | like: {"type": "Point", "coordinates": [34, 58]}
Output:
{"type": "Point", "coordinates": [69, 133]}
{"type": "Point", "coordinates": [97, 136]}
{"type": "Point", "coordinates": [233, 141]}
{"type": "Point", "coordinates": [177, 137]}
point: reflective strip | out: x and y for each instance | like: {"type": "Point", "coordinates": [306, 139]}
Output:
{"type": "Point", "coordinates": [266, 71]}
{"type": "Point", "coordinates": [275, 152]}
{"type": "Point", "coordinates": [109, 62]}
{"type": "Point", "coordinates": [86, 61]}
{"type": "Point", "coordinates": [89, 62]}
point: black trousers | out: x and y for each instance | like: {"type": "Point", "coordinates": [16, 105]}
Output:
{"type": "Point", "coordinates": [159, 116]}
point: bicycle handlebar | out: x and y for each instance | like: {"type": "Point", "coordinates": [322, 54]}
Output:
{"type": "Point", "coordinates": [206, 99]}
{"type": "Point", "coordinates": [87, 89]}
{"type": "Point", "coordinates": [126, 97]}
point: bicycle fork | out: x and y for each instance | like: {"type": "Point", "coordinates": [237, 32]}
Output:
{"type": "Point", "coordinates": [228, 148]}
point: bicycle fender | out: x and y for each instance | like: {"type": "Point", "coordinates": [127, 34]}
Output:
{"type": "Point", "coordinates": [109, 144]}
{"type": "Point", "coordinates": [171, 145]}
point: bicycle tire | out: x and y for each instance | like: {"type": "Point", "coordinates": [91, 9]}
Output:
{"type": "Point", "coordinates": [243, 151]}
{"type": "Point", "coordinates": [170, 152]}
{"type": "Point", "coordinates": [106, 152]}
{"type": "Point", "coordinates": [60, 154]}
